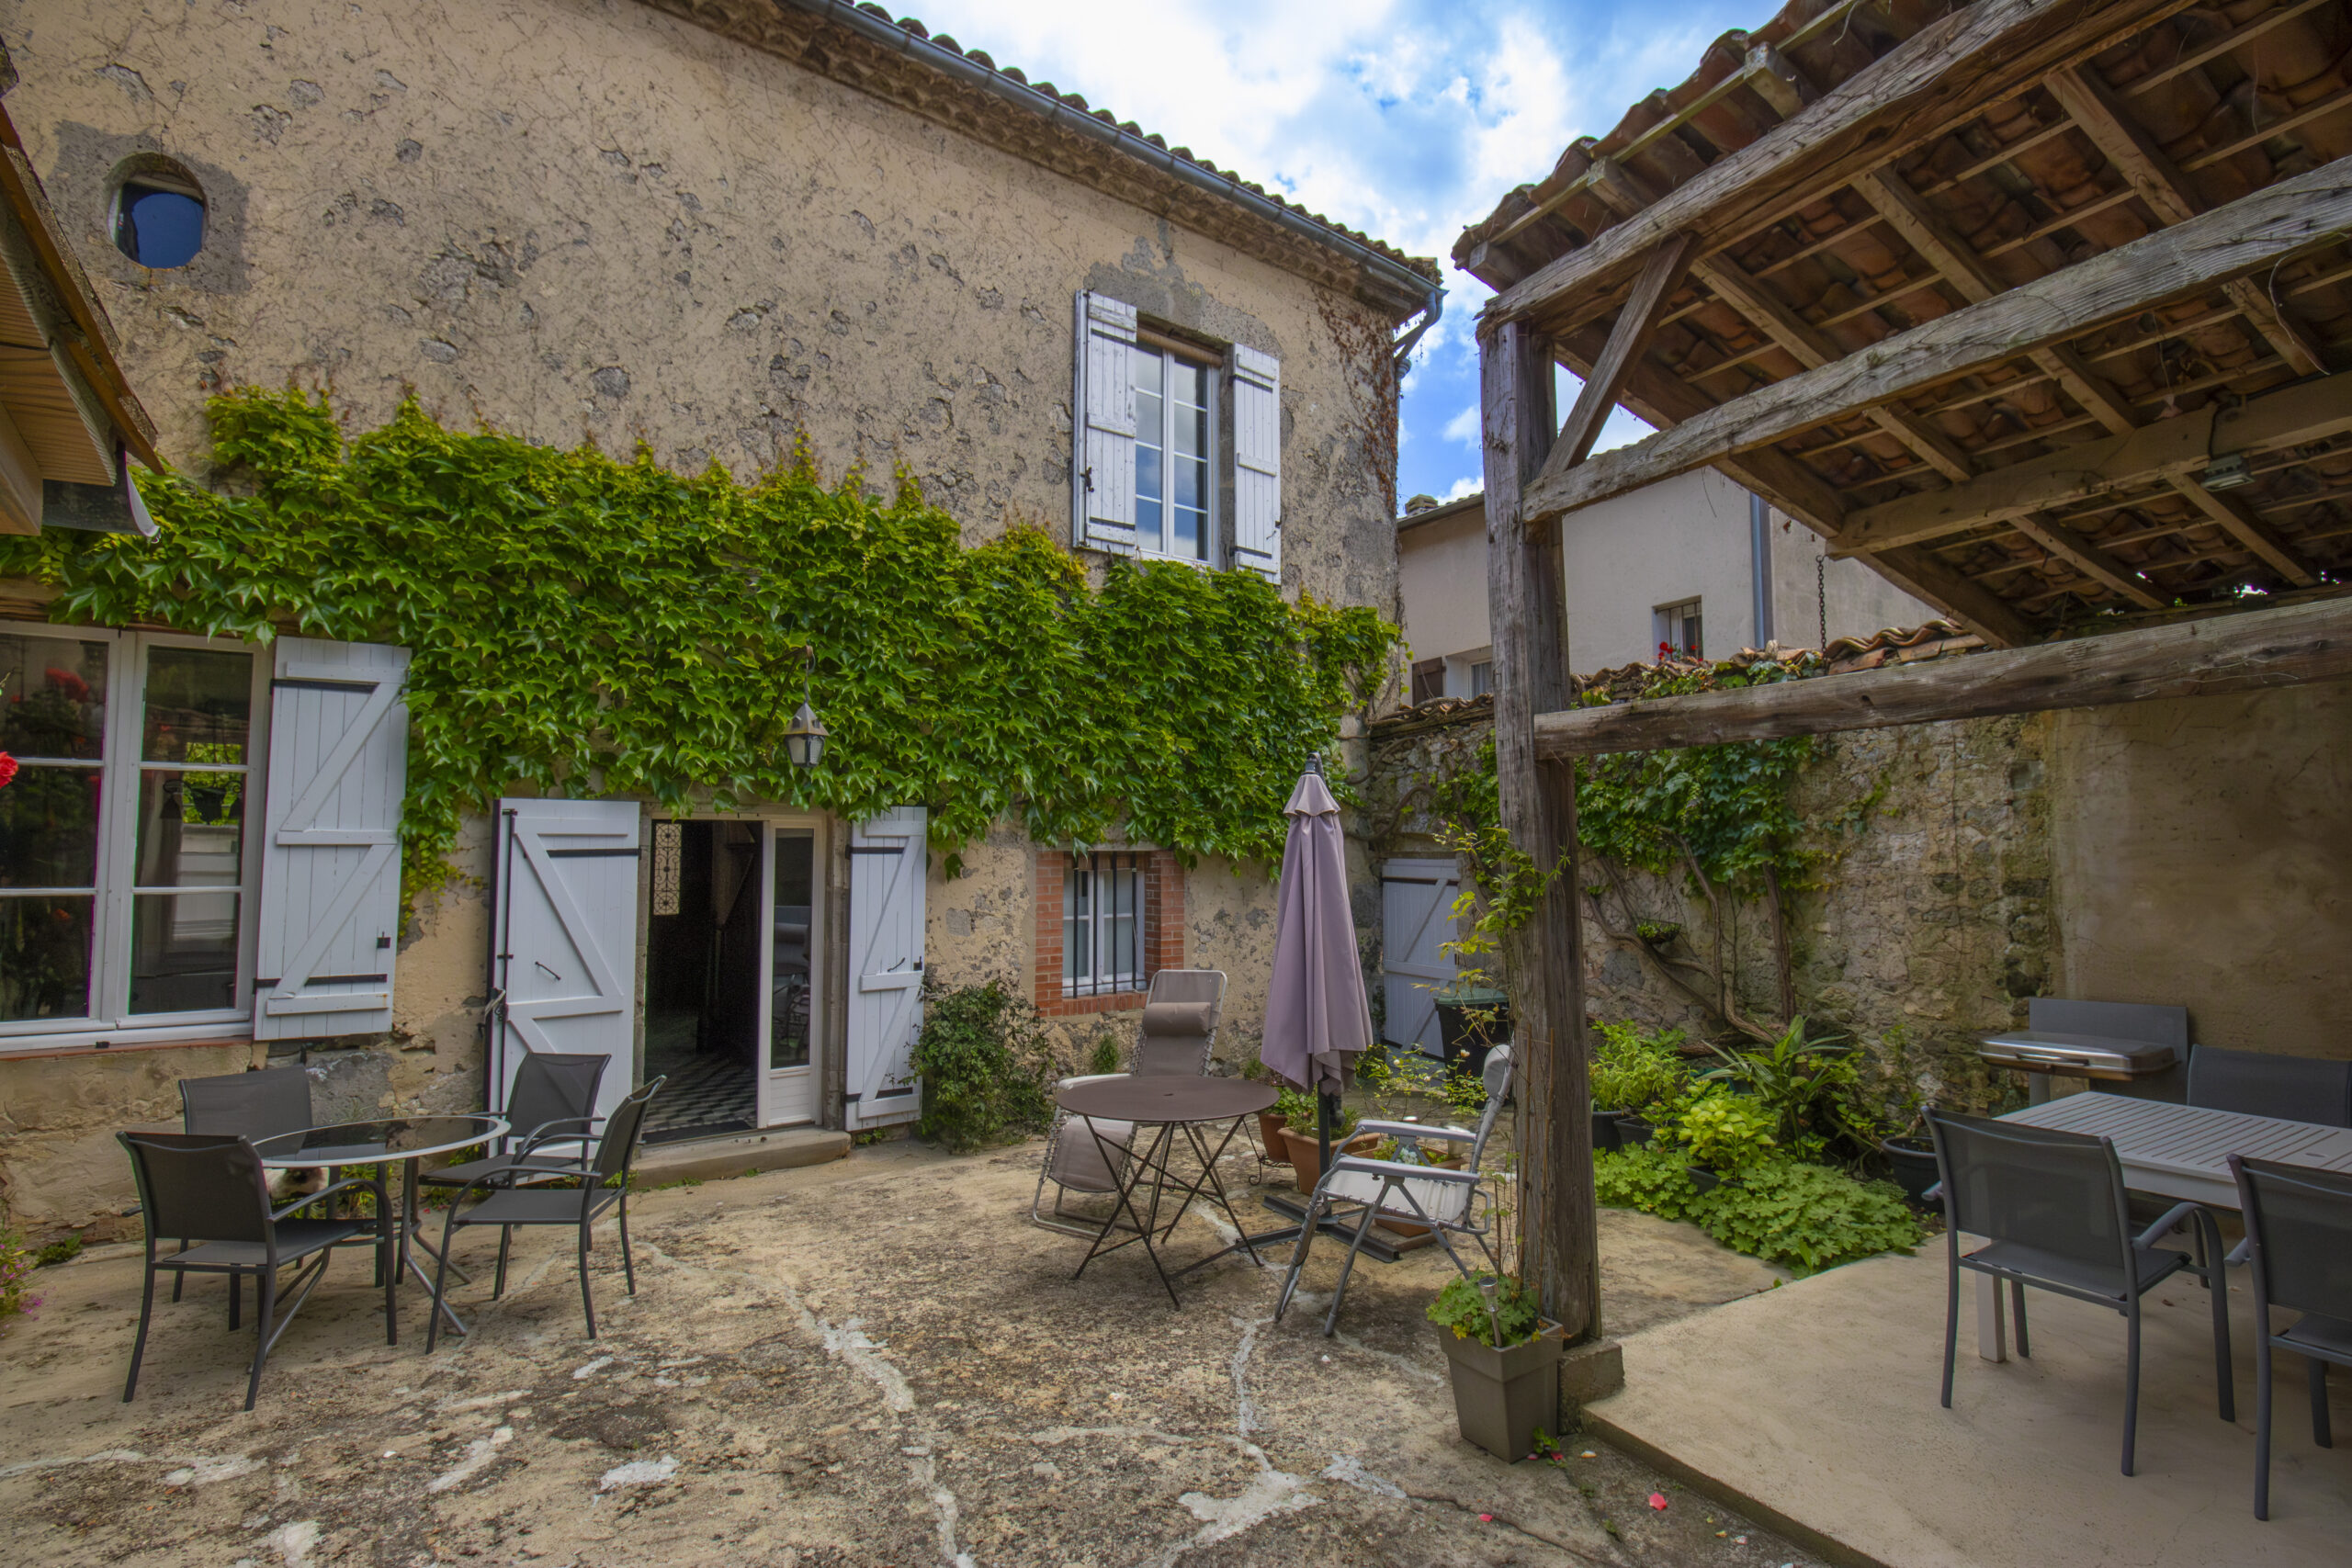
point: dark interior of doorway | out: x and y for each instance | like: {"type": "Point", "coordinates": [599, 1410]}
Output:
{"type": "Point", "coordinates": [702, 980]}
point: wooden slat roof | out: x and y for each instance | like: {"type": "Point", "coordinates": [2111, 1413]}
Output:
{"type": "Point", "coordinates": [2154, 114]}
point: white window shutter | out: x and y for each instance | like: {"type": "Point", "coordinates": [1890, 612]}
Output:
{"type": "Point", "coordinates": [1257, 462]}
{"type": "Point", "coordinates": [1103, 444]}
{"type": "Point", "coordinates": [887, 867]}
{"type": "Point", "coordinates": [331, 855]}
{"type": "Point", "coordinates": [566, 939]}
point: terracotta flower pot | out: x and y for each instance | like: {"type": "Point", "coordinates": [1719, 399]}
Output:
{"type": "Point", "coordinates": [1306, 1153]}
{"type": "Point", "coordinates": [1270, 1136]}
{"type": "Point", "coordinates": [1502, 1398]}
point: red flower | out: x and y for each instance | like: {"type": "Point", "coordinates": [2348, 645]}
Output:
{"type": "Point", "coordinates": [8, 769]}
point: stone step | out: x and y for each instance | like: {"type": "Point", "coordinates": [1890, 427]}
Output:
{"type": "Point", "coordinates": [737, 1153]}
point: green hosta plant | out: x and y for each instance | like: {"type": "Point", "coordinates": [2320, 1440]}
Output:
{"type": "Point", "coordinates": [1725, 1131]}
{"type": "Point", "coordinates": [1477, 1307]}
{"type": "Point", "coordinates": [1782, 1210]}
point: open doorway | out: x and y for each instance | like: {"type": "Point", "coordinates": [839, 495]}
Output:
{"type": "Point", "coordinates": [701, 978]}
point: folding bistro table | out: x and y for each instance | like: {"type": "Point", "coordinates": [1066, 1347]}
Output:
{"type": "Point", "coordinates": [2173, 1151]}
{"type": "Point", "coordinates": [399, 1140]}
{"type": "Point", "coordinates": [1170, 1104]}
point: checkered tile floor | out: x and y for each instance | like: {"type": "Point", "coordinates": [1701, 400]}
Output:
{"type": "Point", "coordinates": [706, 1093]}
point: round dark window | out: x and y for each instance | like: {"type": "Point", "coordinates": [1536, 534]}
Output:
{"type": "Point", "coordinates": [159, 219]}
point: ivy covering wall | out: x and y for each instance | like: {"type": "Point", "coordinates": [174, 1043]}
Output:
{"type": "Point", "coordinates": [589, 627]}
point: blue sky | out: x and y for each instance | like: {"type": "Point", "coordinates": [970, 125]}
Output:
{"type": "Point", "coordinates": [1404, 119]}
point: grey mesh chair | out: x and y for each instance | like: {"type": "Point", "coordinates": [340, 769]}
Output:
{"type": "Point", "coordinates": [252, 1105]}
{"type": "Point", "coordinates": [1177, 1034]}
{"type": "Point", "coordinates": [2055, 1215]}
{"type": "Point", "coordinates": [604, 1185]}
{"type": "Point", "coordinates": [1444, 1201]}
{"type": "Point", "coordinates": [213, 1190]}
{"type": "Point", "coordinates": [2263, 1083]}
{"type": "Point", "coordinates": [255, 1105]}
{"type": "Point", "coordinates": [551, 1105]}
{"type": "Point", "coordinates": [2300, 1220]}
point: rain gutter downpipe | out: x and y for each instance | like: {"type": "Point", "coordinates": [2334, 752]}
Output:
{"type": "Point", "coordinates": [1388, 269]}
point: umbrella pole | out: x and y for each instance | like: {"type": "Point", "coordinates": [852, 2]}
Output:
{"type": "Point", "coordinates": [1326, 1113]}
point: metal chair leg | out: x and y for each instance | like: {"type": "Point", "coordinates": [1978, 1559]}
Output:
{"type": "Point", "coordinates": [629, 1269]}
{"type": "Point", "coordinates": [505, 1239]}
{"type": "Point", "coordinates": [2016, 1304]}
{"type": "Point", "coordinates": [587, 1297]}
{"type": "Point", "coordinates": [2217, 1285]}
{"type": "Point", "coordinates": [1952, 1324]}
{"type": "Point", "coordinates": [139, 1346]}
{"type": "Point", "coordinates": [1307, 1226]}
{"type": "Point", "coordinates": [2320, 1433]}
{"type": "Point", "coordinates": [2261, 1420]}
{"type": "Point", "coordinates": [1347, 1264]}
{"type": "Point", "coordinates": [2131, 1385]}
{"type": "Point", "coordinates": [267, 1306]}
{"type": "Point", "coordinates": [440, 1280]}
{"type": "Point", "coordinates": [236, 1300]}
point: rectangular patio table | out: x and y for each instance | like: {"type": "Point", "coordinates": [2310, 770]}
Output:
{"type": "Point", "coordinates": [2173, 1151]}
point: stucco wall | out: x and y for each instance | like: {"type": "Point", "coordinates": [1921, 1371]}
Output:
{"type": "Point", "coordinates": [1810, 590]}
{"type": "Point", "coordinates": [586, 219]}
{"type": "Point", "coordinates": [1442, 584]}
{"type": "Point", "coordinates": [2204, 857]}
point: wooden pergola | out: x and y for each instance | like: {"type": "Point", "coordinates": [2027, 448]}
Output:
{"type": "Point", "coordinates": [2030, 304]}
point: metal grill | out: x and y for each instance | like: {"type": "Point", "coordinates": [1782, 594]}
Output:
{"type": "Point", "coordinates": [1102, 924]}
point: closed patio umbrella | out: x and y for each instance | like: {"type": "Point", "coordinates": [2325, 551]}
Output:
{"type": "Point", "coordinates": [1318, 1017]}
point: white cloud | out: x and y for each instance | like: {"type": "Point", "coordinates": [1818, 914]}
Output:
{"type": "Point", "coordinates": [1463, 426]}
{"type": "Point", "coordinates": [1470, 485]}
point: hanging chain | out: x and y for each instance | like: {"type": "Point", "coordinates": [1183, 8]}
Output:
{"type": "Point", "coordinates": [1821, 598]}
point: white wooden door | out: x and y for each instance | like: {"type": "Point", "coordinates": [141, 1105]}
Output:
{"type": "Point", "coordinates": [565, 925]}
{"type": "Point", "coordinates": [791, 973]}
{"type": "Point", "coordinates": [331, 858]}
{"type": "Point", "coordinates": [886, 868]}
{"type": "Point", "coordinates": [1416, 915]}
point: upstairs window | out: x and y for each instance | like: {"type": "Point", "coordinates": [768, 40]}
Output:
{"type": "Point", "coordinates": [1172, 456]}
{"type": "Point", "coordinates": [1679, 631]}
{"type": "Point", "coordinates": [159, 218]}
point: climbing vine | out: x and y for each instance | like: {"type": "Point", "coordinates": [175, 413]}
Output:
{"type": "Point", "coordinates": [1721, 816]}
{"type": "Point", "coordinates": [585, 626]}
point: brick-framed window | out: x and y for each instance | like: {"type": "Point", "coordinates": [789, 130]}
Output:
{"type": "Point", "coordinates": [1098, 897]}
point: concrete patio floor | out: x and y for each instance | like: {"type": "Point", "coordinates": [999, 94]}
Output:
{"type": "Point", "coordinates": [1816, 1406]}
{"type": "Point", "coordinates": [874, 1361]}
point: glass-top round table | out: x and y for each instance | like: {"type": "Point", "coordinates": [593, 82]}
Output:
{"type": "Point", "coordinates": [402, 1140]}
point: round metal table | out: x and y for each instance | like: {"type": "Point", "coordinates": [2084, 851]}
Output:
{"type": "Point", "coordinates": [404, 1140]}
{"type": "Point", "coordinates": [1171, 1105]}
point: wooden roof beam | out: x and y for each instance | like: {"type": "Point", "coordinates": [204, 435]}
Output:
{"type": "Point", "coordinates": [2259, 230]}
{"type": "Point", "coordinates": [1940, 76]}
{"type": "Point", "coordinates": [1628, 340]}
{"type": "Point", "coordinates": [2244, 651]}
{"type": "Point", "coordinates": [2160, 453]}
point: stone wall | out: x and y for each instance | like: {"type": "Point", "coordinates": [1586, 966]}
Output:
{"type": "Point", "coordinates": [2181, 852]}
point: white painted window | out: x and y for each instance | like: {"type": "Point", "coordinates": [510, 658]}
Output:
{"type": "Point", "coordinates": [128, 876]}
{"type": "Point", "coordinates": [1102, 924]}
{"type": "Point", "coordinates": [1679, 631]}
{"type": "Point", "coordinates": [1175, 493]}
{"type": "Point", "coordinates": [1482, 677]}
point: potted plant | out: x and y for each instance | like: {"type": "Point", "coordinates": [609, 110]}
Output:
{"type": "Point", "coordinates": [1632, 1070]}
{"type": "Point", "coordinates": [1299, 1134]}
{"type": "Point", "coordinates": [1723, 1133]}
{"type": "Point", "coordinates": [1269, 1122]}
{"type": "Point", "coordinates": [1505, 1361]}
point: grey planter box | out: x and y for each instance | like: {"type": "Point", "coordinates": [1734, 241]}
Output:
{"type": "Point", "coordinates": [1502, 1398]}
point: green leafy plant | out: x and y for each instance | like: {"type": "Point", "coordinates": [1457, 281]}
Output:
{"type": "Point", "coordinates": [1806, 1085]}
{"type": "Point", "coordinates": [1724, 1131]}
{"type": "Point", "coordinates": [1298, 1111]}
{"type": "Point", "coordinates": [1783, 1210]}
{"type": "Point", "coordinates": [583, 625]}
{"type": "Point", "coordinates": [58, 1252]}
{"type": "Point", "coordinates": [1476, 1307]}
{"type": "Point", "coordinates": [16, 1268]}
{"type": "Point", "coordinates": [1634, 1067]}
{"type": "Point", "coordinates": [985, 1065]}
{"type": "Point", "coordinates": [1105, 1059]}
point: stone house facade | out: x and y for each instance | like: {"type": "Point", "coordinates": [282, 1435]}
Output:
{"type": "Point", "coordinates": [712, 229]}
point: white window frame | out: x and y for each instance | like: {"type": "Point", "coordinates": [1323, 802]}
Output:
{"type": "Point", "coordinates": [111, 1023]}
{"type": "Point", "coordinates": [1212, 455]}
{"type": "Point", "coordinates": [1101, 980]}
{"type": "Point", "coordinates": [1667, 622]}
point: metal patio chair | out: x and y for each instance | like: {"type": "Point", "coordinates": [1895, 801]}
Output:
{"type": "Point", "coordinates": [604, 1185]}
{"type": "Point", "coordinates": [1444, 1201]}
{"type": "Point", "coordinates": [552, 1104]}
{"type": "Point", "coordinates": [2263, 1083]}
{"type": "Point", "coordinates": [1180, 1013]}
{"type": "Point", "coordinates": [213, 1190]}
{"type": "Point", "coordinates": [2055, 1215]}
{"type": "Point", "coordinates": [2300, 1221]}
{"type": "Point", "coordinates": [255, 1105]}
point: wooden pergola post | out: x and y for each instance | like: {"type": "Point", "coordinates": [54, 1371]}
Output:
{"type": "Point", "coordinates": [1558, 1222]}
